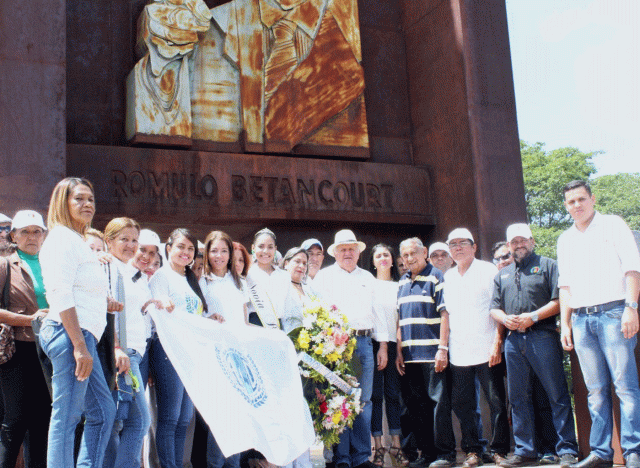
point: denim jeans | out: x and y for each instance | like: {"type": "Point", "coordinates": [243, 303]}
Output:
{"type": "Point", "coordinates": [71, 397]}
{"type": "Point", "coordinates": [354, 447]}
{"type": "Point", "coordinates": [539, 351]}
{"type": "Point", "coordinates": [175, 408]}
{"type": "Point", "coordinates": [606, 355]}
{"type": "Point", "coordinates": [428, 399]}
{"type": "Point", "coordinates": [125, 447]}
{"type": "Point", "coordinates": [465, 404]}
{"type": "Point", "coordinates": [215, 458]}
{"type": "Point", "coordinates": [386, 387]}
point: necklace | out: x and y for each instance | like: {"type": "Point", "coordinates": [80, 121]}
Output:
{"type": "Point", "coordinates": [297, 284]}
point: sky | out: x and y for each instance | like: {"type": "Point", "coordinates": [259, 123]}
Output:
{"type": "Point", "coordinates": [576, 66]}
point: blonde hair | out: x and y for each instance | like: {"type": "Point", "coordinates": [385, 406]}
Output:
{"type": "Point", "coordinates": [95, 233]}
{"type": "Point", "coordinates": [58, 214]}
{"type": "Point", "coordinates": [116, 225]}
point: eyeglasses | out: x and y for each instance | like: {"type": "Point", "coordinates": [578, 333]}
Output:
{"type": "Point", "coordinates": [5, 228]}
{"type": "Point", "coordinates": [504, 258]}
{"type": "Point", "coordinates": [455, 245]}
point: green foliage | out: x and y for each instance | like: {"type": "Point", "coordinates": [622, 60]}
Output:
{"type": "Point", "coordinates": [619, 194]}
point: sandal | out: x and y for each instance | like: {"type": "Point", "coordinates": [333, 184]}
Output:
{"type": "Point", "coordinates": [378, 458]}
{"type": "Point", "coordinates": [398, 457]}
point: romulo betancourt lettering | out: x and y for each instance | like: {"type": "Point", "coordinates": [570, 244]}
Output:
{"type": "Point", "coordinates": [254, 190]}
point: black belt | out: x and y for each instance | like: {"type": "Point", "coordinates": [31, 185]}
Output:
{"type": "Point", "coordinates": [599, 308]}
{"type": "Point", "coordinates": [366, 332]}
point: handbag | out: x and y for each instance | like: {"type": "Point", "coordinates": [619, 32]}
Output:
{"type": "Point", "coordinates": [7, 341]}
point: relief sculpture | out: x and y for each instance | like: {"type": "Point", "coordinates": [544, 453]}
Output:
{"type": "Point", "coordinates": [281, 76]}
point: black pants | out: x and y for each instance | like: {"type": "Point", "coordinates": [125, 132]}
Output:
{"type": "Point", "coordinates": [465, 404]}
{"type": "Point", "coordinates": [427, 397]}
{"type": "Point", "coordinates": [27, 408]}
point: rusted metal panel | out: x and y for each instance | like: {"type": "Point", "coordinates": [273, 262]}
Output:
{"type": "Point", "coordinates": [209, 188]}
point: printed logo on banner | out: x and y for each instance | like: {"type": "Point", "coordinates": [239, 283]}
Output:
{"type": "Point", "coordinates": [243, 374]}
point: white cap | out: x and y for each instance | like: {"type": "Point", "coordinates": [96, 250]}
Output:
{"type": "Point", "coordinates": [346, 236]}
{"type": "Point", "coordinates": [519, 230]}
{"type": "Point", "coordinates": [148, 237]}
{"type": "Point", "coordinates": [26, 218]}
{"type": "Point", "coordinates": [4, 219]}
{"type": "Point", "coordinates": [460, 233]}
{"type": "Point", "coordinates": [439, 246]}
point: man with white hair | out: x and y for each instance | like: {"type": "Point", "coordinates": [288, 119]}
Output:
{"type": "Point", "coordinates": [440, 256]}
{"type": "Point", "coordinates": [350, 288]}
{"type": "Point", "coordinates": [525, 302]}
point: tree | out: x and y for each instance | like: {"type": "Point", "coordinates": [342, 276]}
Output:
{"type": "Point", "coordinates": [619, 194]}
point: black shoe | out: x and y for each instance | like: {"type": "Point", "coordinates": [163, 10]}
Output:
{"type": "Point", "coordinates": [366, 464]}
{"type": "Point", "coordinates": [568, 459]}
{"type": "Point", "coordinates": [633, 460]}
{"type": "Point", "coordinates": [339, 465]}
{"type": "Point", "coordinates": [517, 460]}
{"type": "Point", "coordinates": [420, 462]}
{"type": "Point", "coordinates": [593, 461]}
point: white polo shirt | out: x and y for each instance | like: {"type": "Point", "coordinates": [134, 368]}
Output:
{"type": "Point", "coordinates": [468, 299]}
{"type": "Point", "coordinates": [593, 263]}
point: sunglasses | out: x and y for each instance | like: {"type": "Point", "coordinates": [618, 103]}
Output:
{"type": "Point", "coordinates": [5, 228]}
{"type": "Point", "coordinates": [504, 258]}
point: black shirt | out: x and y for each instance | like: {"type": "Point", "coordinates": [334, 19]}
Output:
{"type": "Point", "coordinates": [526, 286]}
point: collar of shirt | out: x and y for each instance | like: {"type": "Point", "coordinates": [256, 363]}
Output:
{"type": "Point", "coordinates": [526, 261]}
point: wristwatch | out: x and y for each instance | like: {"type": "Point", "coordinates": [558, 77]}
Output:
{"type": "Point", "coordinates": [632, 305]}
{"type": "Point", "coordinates": [535, 317]}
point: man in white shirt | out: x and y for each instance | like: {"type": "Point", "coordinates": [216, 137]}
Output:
{"type": "Point", "coordinates": [350, 288]}
{"type": "Point", "coordinates": [474, 348]}
{"type": "Point", "coordinates": [599, 283]}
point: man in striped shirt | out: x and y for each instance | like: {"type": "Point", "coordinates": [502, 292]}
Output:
{"type": "Point", "coordinates": [423, 336]}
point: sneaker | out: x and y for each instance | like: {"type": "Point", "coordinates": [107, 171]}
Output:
{"type": "Point", "coordinates": [568, 459]}
{"type": "Point", "coordinates": [549, 459]}
{"type": "Point", "coordinates": [516, 460]}
{"type": "Point", "coordinates": [442, 463]}
{"type": "Point", "coordinates": [472, 461]}
{"type": "Point", "coordinates": [633, 460]}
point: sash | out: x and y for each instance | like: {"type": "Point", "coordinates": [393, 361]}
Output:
{"type": "Point", "coordinates": [328, 374]}
{"type": "Point", "coordinates": [263, 306]}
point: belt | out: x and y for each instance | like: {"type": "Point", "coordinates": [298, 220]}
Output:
{"type": "Point", "coordinates": [366, 332]}
{"type": "Point", "coordinates": [599, 308]}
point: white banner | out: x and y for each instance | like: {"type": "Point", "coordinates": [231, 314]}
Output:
{"type": "Point", "coordinates": [244, 381]}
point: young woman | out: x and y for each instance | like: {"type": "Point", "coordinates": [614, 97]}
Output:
{"type": "Point", "coordinates": [241, 259]}
{"type": "Point", "coordinates": [176, 282]}
{"type": "Point", "coordinates": [77, 292]}
{"type": "Point", "coordinates": [295, 262]}
{"type": "Point", "coordinates": [129, 287]}
{"type": "Point", "coordinates": [27, 404]}
{"type": "Point", "coordinates": [386, 383]}
{"type": "Point", "coordinates": [268, 284]}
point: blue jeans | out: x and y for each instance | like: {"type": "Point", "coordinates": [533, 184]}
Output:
{"type": "Point", "coordinates": [386, 387]}
{"type": "Point", "coordinates": [606, 355]}
{"type": "Point", "coordinates": [215, 458]}
{"type": "Point", "coordinates": [125, 447]}
{"type": "Point", "coordinates": [175, 408]}
{"type": "Point", "coordinates": [354, 447]}
{"type": "Point", "coordinates": [71, 397]}
{"type": "Point", "coordinates": [539, 351]}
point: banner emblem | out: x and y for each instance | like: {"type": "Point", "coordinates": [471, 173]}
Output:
{"type": "Point", "coordinates": [243, 374]}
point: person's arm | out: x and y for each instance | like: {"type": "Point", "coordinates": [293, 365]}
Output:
{"type": "Point", "coordinates": [495, 356]}
{"type": "Point", "coordinates": [565, 318]}
{"type": "Point", "coordinates": [629, 322]}
{"type": "Point", "coordinates": [20, 320]}
{"type": "Point", "coordinates": [550, 309]}
{"type": "Point", "coordinates": [442, 355]}
{"type": "Point", "coordinates": [84, 361]}
{"type": "Point", "coordinates": [399, 356]}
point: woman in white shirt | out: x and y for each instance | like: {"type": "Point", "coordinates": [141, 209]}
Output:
{"type": "Point", "coordinates": [268, 285]}
{"type": "Point", "coordinates": [176, 282]}
{"type": "Point", "coordinates": [386, 383]}
{"type": "Point", "coordinates": [295, 262]}
{"type": "Point", "coordinates": [77, 293]}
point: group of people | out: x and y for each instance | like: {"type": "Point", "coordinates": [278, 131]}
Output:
{"type": "Point", "coordinates": [434, 327]}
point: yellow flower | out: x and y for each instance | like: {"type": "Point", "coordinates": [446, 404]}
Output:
{"type": "Point", "coordinates": [333, 357]}
{"type": "Point", "coordinates": [336, 418]}
{"type": "Point", "coordinates": [319, 349]}
{"type": "Point", "coordinates": [329, 331]}
{"type": "Point", "coordinates": [304, 339]}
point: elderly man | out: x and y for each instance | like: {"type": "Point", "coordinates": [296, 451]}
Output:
{"type": "Point", "coordinates": [474, 348]}
{"type": "Point", "coordinates": [440, 256]}
{"type": "Point", "coordinates": [5, 243]}
{"type": "Point", "coordinates": [423, 337]}
{"type": "Point", "coordinates": [315, 251]}
{"type": "Point", "coordinates": [525, 301]}
{"type": "Point", "coordinates": [599, 282]}
{"type": "Point", "coordinates": [351, 289]}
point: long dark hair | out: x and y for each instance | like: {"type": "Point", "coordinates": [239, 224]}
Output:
{"type": "Point", "coordinates": [189, 274]}
{"type": "Point", "coordinates": [394, 264]}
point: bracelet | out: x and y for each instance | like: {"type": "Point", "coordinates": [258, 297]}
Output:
{"type": "Point", "coordinates": [446, 348]}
